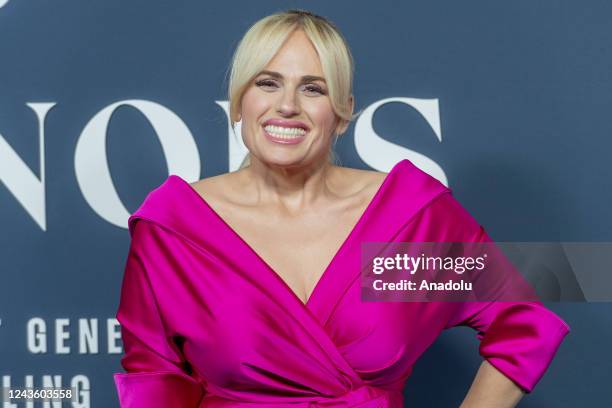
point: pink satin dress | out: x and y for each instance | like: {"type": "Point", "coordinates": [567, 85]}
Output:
{"type": "Point", "coordinates": [206, 322]}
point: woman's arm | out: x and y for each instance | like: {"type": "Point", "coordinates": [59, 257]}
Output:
{"type": "Point", "coordinates": [491, 388]}
{"type": "Point", "coordinates": [156, 371]}
{"type": "Point", "coordinates": [518, 340]}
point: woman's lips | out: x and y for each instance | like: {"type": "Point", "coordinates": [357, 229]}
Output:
{"type": "Point", "coordinates": [289, 123]}
{"type": "Point", "coordinates": [284, 139]}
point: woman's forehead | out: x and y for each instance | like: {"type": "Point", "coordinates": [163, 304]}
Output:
{"type": "Point", "coordinates": [297, 57]}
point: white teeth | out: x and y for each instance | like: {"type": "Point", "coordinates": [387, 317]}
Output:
{"type": "Point", "coordinates": [284, 132]}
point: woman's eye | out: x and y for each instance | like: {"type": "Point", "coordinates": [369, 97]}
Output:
{"type": "Point", "coordinates": [314, 88]}
{"type": "Point", "coordinates": [265, 83]}
{"type": "Point", "coordinates": [270, 84]}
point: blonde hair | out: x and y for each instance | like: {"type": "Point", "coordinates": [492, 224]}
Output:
{"type": "Point", "coordinates": [263, 40]}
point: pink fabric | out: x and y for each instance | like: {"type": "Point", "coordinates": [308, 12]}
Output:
{"type": "Point", "coordinates": [207, 323]}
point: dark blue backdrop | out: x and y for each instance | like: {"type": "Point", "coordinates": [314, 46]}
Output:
{"type": "Point", "coordinates": [522, 89]}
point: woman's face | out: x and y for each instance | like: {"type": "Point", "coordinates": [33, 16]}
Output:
{"type": "Point", "coordinates": [287, 117]}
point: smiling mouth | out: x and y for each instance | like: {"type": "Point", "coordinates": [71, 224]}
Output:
{"type": "Point", "coordinates": [286, 133]}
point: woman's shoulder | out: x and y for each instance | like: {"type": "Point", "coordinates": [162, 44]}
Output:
{"type": "Point", "coordinates": [215, 187]}
{"type": "Point", "coordinates": [361, 180]}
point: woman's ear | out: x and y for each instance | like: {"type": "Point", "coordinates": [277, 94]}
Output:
{"type": "Point", "coordinates": [237, 114]}
{"type": "Point", "coordinates": [343, 124]}
{"type": "Point", "coordinates": [341, 128]}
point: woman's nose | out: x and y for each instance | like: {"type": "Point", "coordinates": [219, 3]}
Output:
{"type": "Point", "coordinates": [288, 104]}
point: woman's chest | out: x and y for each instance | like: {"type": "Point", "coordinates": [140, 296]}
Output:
{"type": "Point", "coordinates": [297, 249]}
{"type": "Point", "coordinates": [239, 322]}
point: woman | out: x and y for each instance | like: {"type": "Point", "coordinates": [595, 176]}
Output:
{"type": "Point", "coordinates": [243, 289]}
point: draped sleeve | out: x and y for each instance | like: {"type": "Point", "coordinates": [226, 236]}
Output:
{"type": "Point", "coordinates": [519, 339]}
{"type": "Point", "coordinates": [157, 374]}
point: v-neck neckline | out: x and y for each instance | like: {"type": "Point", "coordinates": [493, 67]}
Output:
{"type": "Point", "coordinates": [343, 246]}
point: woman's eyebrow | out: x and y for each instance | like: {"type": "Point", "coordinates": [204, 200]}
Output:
{"type": "Point", "coordinates": [305, 78]}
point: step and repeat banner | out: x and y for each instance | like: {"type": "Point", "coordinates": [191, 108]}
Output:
{"type": "Point", "coordinates": [504, 102]}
